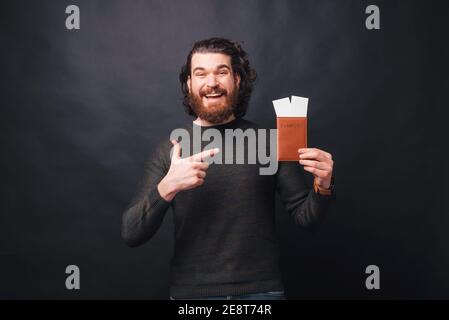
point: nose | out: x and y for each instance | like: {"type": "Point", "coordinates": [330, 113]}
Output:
{"type": "Point", "coordinates": [211, 81]}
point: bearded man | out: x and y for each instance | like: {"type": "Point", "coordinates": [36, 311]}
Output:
{"type": "Point", "coordinates": [225, 241]}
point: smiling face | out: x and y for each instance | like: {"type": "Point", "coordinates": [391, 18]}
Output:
{"type": "Point", "coordinates": [213, 86]}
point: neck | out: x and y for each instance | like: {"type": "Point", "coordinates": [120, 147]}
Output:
{"type": "Point", "coordinates": [205, 123]}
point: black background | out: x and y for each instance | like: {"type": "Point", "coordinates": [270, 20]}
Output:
{"type": "Point", "coordinates": [82, 109]}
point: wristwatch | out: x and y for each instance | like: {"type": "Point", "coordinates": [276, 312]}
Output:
{"type": "Point", "coordinates": [326, 192]}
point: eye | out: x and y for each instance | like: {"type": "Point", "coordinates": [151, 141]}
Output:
{"type": "Point", "coordinates": [200, 74]}
{"type": "Point", "coordinates": [223, 72]}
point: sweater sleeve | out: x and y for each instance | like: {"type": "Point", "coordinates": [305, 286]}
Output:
{"type": "Point", "coordinates": [306, 207]}
{"type": "Point", "coordinates": [143, 217]}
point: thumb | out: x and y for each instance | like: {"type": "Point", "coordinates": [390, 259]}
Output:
{"type": "Point", "coordinates": [176, 150]}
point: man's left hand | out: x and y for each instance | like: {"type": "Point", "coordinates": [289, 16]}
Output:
{"type": "Point", "coordinates": [319, 163]}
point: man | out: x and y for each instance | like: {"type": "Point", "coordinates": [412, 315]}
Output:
{"type": "Point", "coordinates": [225, 242]}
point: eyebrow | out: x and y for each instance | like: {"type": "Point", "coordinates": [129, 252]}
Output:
{"type": "Point", "coordinates": [221, 66]}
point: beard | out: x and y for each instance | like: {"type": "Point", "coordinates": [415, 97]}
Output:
{"type": "Point", "coordinates": [214, 112]}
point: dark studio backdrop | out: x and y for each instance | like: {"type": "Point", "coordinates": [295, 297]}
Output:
{"type": "Point", "coordinates": [81, 110]}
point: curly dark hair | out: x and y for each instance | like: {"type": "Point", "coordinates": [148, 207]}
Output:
{"type": "Point", "coordinates": [240, 65]}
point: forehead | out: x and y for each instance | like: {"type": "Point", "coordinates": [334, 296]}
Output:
{"type": "Point", "coordinates": [210, 60]}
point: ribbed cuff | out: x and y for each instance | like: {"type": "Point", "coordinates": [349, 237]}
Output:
{"type": "Point", "coordinates": [323, 197]}
{"type": "Point", "coordinates": [156, 201]}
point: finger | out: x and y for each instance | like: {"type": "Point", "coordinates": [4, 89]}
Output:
{"type": "Point", "coordinates": [200, 182]}
{"type": "Point", "coordinates": [200, 165]}
{"type": "Point", "coordinates": [317, 172]}
{"type": "Point", "coordinates": [324, 153]}
{"type": "Point", "coordinates": [176, 149]}
{"type": "Point", "coordinates": [315, 164]}
{"type": "Point", "coordinates": [313, 155]}
{"type": "Point", "coordinates": [196, 181]}
{"type": "Point", "coordinates": [204, 154]}
{"type": "Point", "coordinates": [201, 174]}
{"type": "Point", "coordinates": [193, 183]}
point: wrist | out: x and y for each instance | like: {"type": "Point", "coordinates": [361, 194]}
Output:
{"type": "Point", "coordinates": [166, 190]}
{"type": "Point", "coordinates": [323, 190]}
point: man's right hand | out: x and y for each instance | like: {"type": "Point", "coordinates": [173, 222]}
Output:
{"type": "Point", "coordinates": [184, 173]}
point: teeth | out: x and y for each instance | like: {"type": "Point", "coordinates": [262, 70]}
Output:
{"type": "Point", "coordinates": [213, 95]}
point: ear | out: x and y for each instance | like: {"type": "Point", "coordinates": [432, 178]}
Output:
{"type": "Point", "coordinates": [237, 80]}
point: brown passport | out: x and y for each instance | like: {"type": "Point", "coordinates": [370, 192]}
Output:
{"type": "Point", "coordinates": [291, 136]}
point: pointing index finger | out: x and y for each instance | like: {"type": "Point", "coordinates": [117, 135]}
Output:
{"type": "Point", "coordinates": [204, 154]}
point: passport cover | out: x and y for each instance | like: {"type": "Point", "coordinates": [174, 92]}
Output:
{"type": "Point", "coordinates": [291, 136]}
{"type": "Point", "coordinates": [291, 123]}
